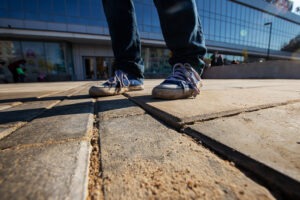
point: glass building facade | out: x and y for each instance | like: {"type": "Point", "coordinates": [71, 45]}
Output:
{"type": "Point", "coordinates": [43, 32]}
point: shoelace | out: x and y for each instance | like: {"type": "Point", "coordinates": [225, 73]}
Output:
{"type": "Point", "coordinates": [119, 77]}
{"type": "Point", "coordinates": [185, 72]}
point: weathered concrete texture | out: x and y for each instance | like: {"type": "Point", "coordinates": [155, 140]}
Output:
{"type": "Point", "coordinates": [14, 117]}
{"type": "Point", "coordinates": [27, 91]}
{"type": "Point", "coordinates": [116, 106]}
{"type": "Point", "coordinates": [10, 96]}
{"type": "Point", "coordinates": [143, 159]}
{"type": "Point", "coordinates": [48, 171]}
{"type": "Point", "coordinates": [270, 136]}
{"type": "Point", "coordinates": [39, 87]}
{"type": "Point", "coordinates": [48, 158]}
{"type": "Point", "coordinates": [24, 112]}
{"type": "Point", "coordinates": [68, 120]}
{"type": "Point", "coordinates": [18, 114]}
{"type": "Point", "coordinates": [220, 100]}
{"type": "Point", "coordinates": [4, 106]}
{"type": "Point", "coordinates": [220, 84]}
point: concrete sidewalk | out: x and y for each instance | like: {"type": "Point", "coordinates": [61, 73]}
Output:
{"type": "Point", "coordinates": [238, 140]}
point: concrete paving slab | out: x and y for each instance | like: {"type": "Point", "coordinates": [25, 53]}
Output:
{"type": "Point", "coordinates": [16, 96]}
{"type": "Point", "coordinates": [24, 112]}
{"type": "Point", "coordinates": [48, 171]}
{"type": "Point", "coordinates": [70, 119]}
{"type": "Point", "coordinates": [41, 86]}
{"type": "Point", "coordinates": [18, 114]}
{"type": "Point", "coordinates": [47, 158]}
{"type": "Point", "coordinates": [143, 159]}
{"type": "Point", "coordinates": [15, 117]}
{"type": "Point", "coordinates": [218, 100]}
{"type": "Point", "coordinates": [116, 106]}
{"type": "Point", "coordinates": [30, 91]}
{"type": "Point", "coordinates": [219, 84]}
{"type": "Point", "coordinates": [270, 136]}
{"type": "Point", "coordinates": [4, 106]}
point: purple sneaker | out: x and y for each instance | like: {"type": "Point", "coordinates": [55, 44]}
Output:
{"type": "Point", "coordinates": [184, 82]}
{"type": "Point", "coordinates": [117, 84]}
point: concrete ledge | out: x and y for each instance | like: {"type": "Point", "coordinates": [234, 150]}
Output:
{"type": "Point", "coordinates": [271, 69]}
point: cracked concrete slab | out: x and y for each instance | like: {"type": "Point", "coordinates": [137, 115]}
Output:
{"type": "Point", "coordinates": [70, 119]}
{"type": "Point", "coordinates": [14, 95]}
{"type": "Point", "coordinates": [39, 87]}
{"type": "Point", "coordinates": [55, 171]}
{"type": "Point", "coordinates": [116, 106]}
{"type": "Point", "coordinates": [143, 159]}
{"type": "Point", "coordinates": [59, 123]}
{"type": "Point", "coordinates": [7, 105]}
{"type": "Point", "coordinates": [270, 136]}
{"type": "Point", "coordinates": [48, 158]}
{"type": "Point", "coordinates": [15, 117]}
{"type": "Point", "coordinates": [219, 99]}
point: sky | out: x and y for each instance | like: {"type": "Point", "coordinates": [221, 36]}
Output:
{"type": "Point", "coordinates": [296, 4]}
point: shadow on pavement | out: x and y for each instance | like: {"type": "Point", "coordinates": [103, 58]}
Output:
{"type": "Point", "coordinates": [30, 99]}
{"type": "Point", "coordinates": [69, 106]}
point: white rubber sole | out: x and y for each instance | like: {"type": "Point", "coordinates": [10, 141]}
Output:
{"type": "Point", "coordinates": [172, 93]}
{"type": "Point", "coordinates": [96, 91]}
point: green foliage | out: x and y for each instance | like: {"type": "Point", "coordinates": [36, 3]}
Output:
{"type": "Point", "coordinates": [293, 45]}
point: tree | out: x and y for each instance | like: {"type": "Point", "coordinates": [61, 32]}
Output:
{"type": "Point", "coordinates": [293, 45]}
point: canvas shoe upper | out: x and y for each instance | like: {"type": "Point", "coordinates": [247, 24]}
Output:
{"type": "Point", "coordinates": [118, 84]}
{"type": "Point", "coordinates": [184, 82]}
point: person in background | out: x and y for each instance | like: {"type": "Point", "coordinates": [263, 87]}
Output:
{"type": "Point", "coordinates": [2, 74]}
{"type": "Point", "coordinates": [220, 61]}
{"type": "Point", "coordinates": [213, 59]}
{"type": "Point", "coordinates": [183, 35]}
{"type": "Point", "coordinates": [20, 73]}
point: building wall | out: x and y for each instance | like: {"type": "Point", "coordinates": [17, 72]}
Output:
{"type": "Point", "coordinates": [234, 22]}
{"type": "Point", "coordinates": [230, 26]}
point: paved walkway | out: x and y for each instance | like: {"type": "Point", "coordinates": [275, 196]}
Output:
{"type": "Point", "coordinates": [238, 140]}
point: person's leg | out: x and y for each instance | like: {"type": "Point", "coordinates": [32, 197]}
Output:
{"type": "Point", "coordinates": [124, 34]}
{"type": "Point", "coordinates": [128, 64]}
{"type": "Point", "coordinates": [183, 34]}
{"type": "Point", "coordinates": [15, 77]}
{"type": "Point", "coordinates": [182, 30]}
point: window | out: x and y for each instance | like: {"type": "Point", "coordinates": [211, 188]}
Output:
{"type": "Point", "coordinates": [55, 58]}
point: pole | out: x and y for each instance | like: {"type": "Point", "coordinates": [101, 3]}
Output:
{"type": "Point", "coordinates": [270, 34]}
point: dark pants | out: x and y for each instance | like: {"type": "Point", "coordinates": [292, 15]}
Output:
{"type": "Point", "coordinates": [180, 26]}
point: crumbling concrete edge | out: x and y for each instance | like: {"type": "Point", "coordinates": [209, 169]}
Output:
{"type": "Point", "coordinates": [275, 181]}
{"type": "Point", "coordinates": [272, 179]}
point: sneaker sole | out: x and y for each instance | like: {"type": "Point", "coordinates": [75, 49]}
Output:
{"type": "Point", "coordinates": [172, 94]}
{"type": "Point", "coordinates": [163, 93]}
{"type": "Point", "coordinates": [102, 91]}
